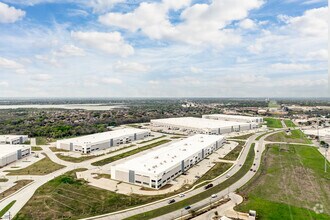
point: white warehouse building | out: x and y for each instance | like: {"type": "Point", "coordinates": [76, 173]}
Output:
{"type": "Point", "coordinates": [202, 125]}
{"type": "Point", "coordinates": [237, 118]}
{"type": "Point", "coordinates": [157, 167]}
{"type": "Point", "coordinates": [104, 140]}
{"type": "Point", "coordinates": [11, 153]}
{"type": "Point", "coordinates": [13, 139]}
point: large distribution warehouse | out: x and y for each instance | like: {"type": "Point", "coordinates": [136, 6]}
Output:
{"type": "Point", "coordinates": [202, 125]}
{"type": "Point", "coordinates": [156, 168]}
{"type": "Point", "coordinates": [99, 141]}
{"type": "Point", "coordinates": [237, 118]}
{"type": "Point", "coordinates": [11, 153]}
{"type": "Point", "coordinates": [13, 139]}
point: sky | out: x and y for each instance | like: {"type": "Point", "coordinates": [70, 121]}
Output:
{"type": "Point", "coordinates": [164, 48]}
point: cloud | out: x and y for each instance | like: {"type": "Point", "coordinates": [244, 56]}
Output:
{"type": "Point", "coordinates": [9, 64]}
{"type": "Point", "coordinates": [101, 6]}
{"type": "Point", "coordinates": [247, 24]}
{"type": "Point", "coordinates": [290, 67]}
{"type": "Point", "coordinates": [153, 82]}
{"type": "Point", "coordinates": [202, 24]}
{"type": "Point", "coordinates": [10, 14]}
{"type": "Point", "coordinates": [77, 12]}
{"type": "Point", "coordinates": [69, 50]}
{"type": "Point", "coordinates": [322, 54]}
{"type": "Point", "coordinates": [4, 83]}
{"type": "Point", "coordinates": [110, 42]}
{"type": "Point", "coordinates": [112, 81]}
{"type": "Point", "coordinates": [130, 67]}
{"type": "Point", "coordinates": [194, 69]}
{"type": "Point", "coordinates": [41, 77]}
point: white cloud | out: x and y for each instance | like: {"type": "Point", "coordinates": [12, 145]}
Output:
{"type": "Point", "coordinates": [290, 67]}
{"type": "Point", "coordinates": [4, 83]}
{"type": "Point", "coordinates": [111, 42]}
{"type": "Point", "coordinates": [10, 14]}
{"type": "Point", "coordinates": [101, 6]}
{"type": "Point", "coordinates": [69, 50]}
{"type": "Point", "coordinates": [9, 64]}
{"type": "Point", "coordinates": [194, 69]}
{"type": "Point", "coordinates": [202, 24]}
{"type": "Point", "coordinates": [247, 24]}
{"type": "Point", "coordinates": [322, 54]}
{"type": "Point", "coordinates": [77, 12]}
{"type": "Point", "coordinates": [130, 67]}
{"type": "Point", "coordinates": [313, 22]}
{"type": "Point", "coordinates": [112, 81]}
{"type": "Point", "coordinates": [153, 82]}
{"type": "Point", "coordinates": [41, 77]}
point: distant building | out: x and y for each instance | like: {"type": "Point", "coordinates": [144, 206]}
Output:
{"type": "Point", "coordinates": [237, 118]}
{"type": "Point", "coordinates": [13, 139]}
{"type": "Point", "coordinates": [157, 167]}
{"type": "Point", "coordinates": [193, 125]}
{"type": "Point", "coordinates": [104, 140]}
{"type": "Point", "coordinates": [11, 153]}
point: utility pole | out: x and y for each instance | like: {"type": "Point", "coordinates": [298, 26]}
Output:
{"type": "Point", "coordinates": [325, 159]}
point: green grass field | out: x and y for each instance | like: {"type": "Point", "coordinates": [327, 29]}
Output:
{"type": "Point", "coordinates": [296, 136]}
{"type": "Point", "coordinates": [218, 169]}
{"type": "Point", "coordinates": [6, 208]}
{"type": "Point", "coordinates": [241, 137]}
{"type": "Point", "coordinates": [34, 148]}
{"type": "Point", "coordinates": [66, 197]}
{"type": "Point", "coordinates": [129, 153]}
{"type": "Point", "coordinates": [206, 194]}
{"type": "Point", "coordinates": [233, 155]}
{"type": "Point", "coordinates": [273, 123]}
{"type": "Point", "coordinates": [75, 159]}
{"type": "Point", "coordinates": [42, 167]}
{"type": "Point", "coordinates": [290, 183]}
{"type": "Point", "coordinates": [289, 123]}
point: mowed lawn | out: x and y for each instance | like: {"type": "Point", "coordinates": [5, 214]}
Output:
{"type": "Point", "coordinates": [289, 123]}
{"type": "Point", "coordinates": [296, 136]}
{"type": "Point", "coordinates": [66, 197]}
{"type": "Point", "coordinates": [42, 167]}
{"type": "Point", "coordinates": [290, 183]}
{"type": "Point", "coordinates": [273, 122]}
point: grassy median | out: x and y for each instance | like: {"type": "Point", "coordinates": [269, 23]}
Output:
{"type": "Point", "coordinates": [273, 122]}
{"type": "Point", "coordinates": [42, 167]}
{"type": "Point", "coordinates": [295, 136]}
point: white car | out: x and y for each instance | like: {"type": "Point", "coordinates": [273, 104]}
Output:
{"type": "Point", "coordinates": [214, 196]}
{"type": "Point", "coordinates": [181, 195]}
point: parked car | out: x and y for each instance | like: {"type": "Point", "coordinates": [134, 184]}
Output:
{"type": "Point", "coordinates": [171, 201]}
{"type": "Point", "coordinates": [208, 186]}
{"type": "Point", "coordinates": [181, 195]}
{"type": "Point", "coordinates": [214, 196]}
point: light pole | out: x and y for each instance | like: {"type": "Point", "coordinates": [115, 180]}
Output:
{"type": "Point", "coordinates": [325, 159]}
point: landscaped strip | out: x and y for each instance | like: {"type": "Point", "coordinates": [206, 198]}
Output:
{"type": "Point", "coordinates": [143, 142]}
{"type": "Point", "coordinates": [206, 194]}
{"type": "Point", "coordinates": [6, 208]}
{"type": "Point", "coordinates": [233, 155]}
{"type": "Point", "coordinates": [241, 137]}
{"type": "Point", "coordinates": [42, 167]}
{"type": "Point", "coordinates": [273, 122]}
{"type": "Point", "coordinates": [294, 136]}
{"type": "Point", "coordinates": [218, 169]}
{"type": "Point", "coordinates": [129, 153]}
{"type": "Point", "coordinates": [289, 123]}
{"type": "Point", "coordinates": [18, 185]}
{"type": "Point", "coordinates": [75, 159]}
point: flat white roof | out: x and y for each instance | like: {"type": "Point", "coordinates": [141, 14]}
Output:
{"type": "Point", "coordinates": [244, 117]}
{"type": "Point", "coordinates": [104, 136]}
{"type": "Point", "coordinates": [159, 160]}
{"type": "Point", "coordinates": [7, 137]}
{"type": "Point", "coordinates": [6, 149]}
{"type": "Point", "coordinates": [202, 123]}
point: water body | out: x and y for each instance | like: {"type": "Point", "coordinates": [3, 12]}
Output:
{"type": "Point", "coordinates": [95, 107]}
